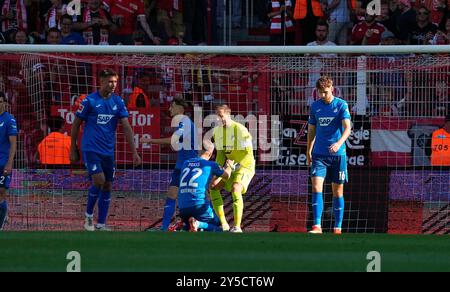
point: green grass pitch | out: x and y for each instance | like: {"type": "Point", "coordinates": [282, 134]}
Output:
{"type": "Point", "coordinates": [219, 252]}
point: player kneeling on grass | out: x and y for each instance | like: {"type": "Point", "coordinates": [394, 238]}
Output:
{"type": "Point", "coordinates": [8, 144]}
{"type": "Point", "coordinates": [328, 129]}
{"type": "Point", "coordinates": [195, 209]}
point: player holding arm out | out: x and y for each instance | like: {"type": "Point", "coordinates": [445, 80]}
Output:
{"type": "Point", "coordinates": [8, 146]}
{"type": "Point", "coordinates": [234, 142]}
{"type": "Point", "coordinates": [197, 174]}
{"type": "Point", "coordinates": [328, 128]}
{"type": "Point", "coordinates": [101, 111]}
{"type": "Point", "coordinates": [184, 141]}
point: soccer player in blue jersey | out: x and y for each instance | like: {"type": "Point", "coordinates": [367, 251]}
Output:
{"type": "Point", "coordinates": [8, 146]}
{"type": "Point", "coordinates": [101, 111]}
{"type": "Point", "coordinates": [184, 141]}
{"type": "Point", "coordinates": [328, 128]}
{"type": "Point", "coordinates": [196, 175]}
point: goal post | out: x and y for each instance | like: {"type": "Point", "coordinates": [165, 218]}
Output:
{"type": "Point", "coordinates": [398, 96]}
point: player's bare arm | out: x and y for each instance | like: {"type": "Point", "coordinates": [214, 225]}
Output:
{"type": "Point", "coordinates": [347, 130]}
{"type": "Point", "coordinates": [75, 130]}
{"type": "Point", "coordinates": [310, 142]}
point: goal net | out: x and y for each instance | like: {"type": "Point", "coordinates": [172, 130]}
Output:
{"type": "Point", "coordinates": [396, 102]}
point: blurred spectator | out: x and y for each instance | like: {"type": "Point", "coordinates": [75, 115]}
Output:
{"type": "Point", "coordinates": [195, 21]}
{"type": "Point", "coordinates": [387, 106]}
{"type": "Point", "coordinates": [54, 14]}
{"type": "Point", "coordinates": [388, 39]}
{"type": "Point", "coordinates": [436, 8]}
{"type": "Point", "coordinates": [308, 12]}
{"type": "Point", "coordinates": [13, 16]}
{"type": "Point", "coordinates": [236, 13]}
{"type": "Point", "coordinates": [322, 29]}
{"type": "Point", "coordinates": [440, 104]}
{"type": "Point", "coordinates": [21, 38]}
{"type": "Point", "coordinates": [261, 10]}
{"type": "Point", "coordinates": [367, 32]}
{"type": "Point", "coordinates": [442, 37]}
{"type": "Point", "coordinates": [281, 26]}
{"type": "Point", "coordinates": [170, 17]}
{"type": "Point", "coordinates": [139, 38]}
{"type": "Point", "coordinates": [388, 18]}
{"type": "Point", "coordinates": [94, 23]}
{"type": "Point", "coordinates": [68, 36]}
{"type": "Point", "coordinates": [53, 36]}
{"type": "Point", "coordinates": [440, 144]}
{"type": "Point", "coordinates": [423, 31]}
{"type": "Point", "coordinates": [138, 97]}
{"type": "Point", "coordinates": [405, 20]}
{"type": "Point", "coordinates": [125, 14]}
{"type": "Point", "coordinates": [338, 12]}
{"type": "Point", "coordinates": [55, 148]}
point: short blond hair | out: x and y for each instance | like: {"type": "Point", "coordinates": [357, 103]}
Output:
{"type": "Point", "coordinates": [224, 107]}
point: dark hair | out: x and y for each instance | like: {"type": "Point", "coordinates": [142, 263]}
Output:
{"type": "Point", "coordinates": [56, 123]}
{"type": "Point", "coordinates": [66, 16]}
{"type": "Point", "coordinates": [324, 81]}
{"type": "Point", "coordinates": [181, 102]}
{"type": "Point", "coordinates": [322, 22]}
{"type": "Point", "coordinates": [53, 29]}
{"type": "Point", "coordinates": [108, 73]}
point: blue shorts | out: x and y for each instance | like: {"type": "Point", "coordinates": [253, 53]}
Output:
{"type": "Point", "coordinates": [5, 180]}
{"type": "Point", "coordinates": [203, 213]}
{"type": "Point", "coordinates": [176, 177]}
{"type": "Point", "coordinates": [333, 166]}
{"type": "Point", "coordinates": [97, 163]}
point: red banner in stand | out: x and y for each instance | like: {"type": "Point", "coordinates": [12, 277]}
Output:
{"type": "Point", "coordinates": [144, 122]}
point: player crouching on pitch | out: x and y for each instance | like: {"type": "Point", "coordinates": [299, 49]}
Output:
{"type": "Point", "coordinates": [328, 128]}
{"type": "Point", "coordinates": [195, 209]}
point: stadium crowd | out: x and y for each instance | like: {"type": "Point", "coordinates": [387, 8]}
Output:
{"type": "Point", "coordinates": [197, 22]}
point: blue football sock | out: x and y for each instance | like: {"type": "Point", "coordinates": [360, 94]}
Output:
{"type": "Point", "coordinates": [208, 227]}
{"type": "Point", "coordinates": [169, 210]}
{"type": "Point", "coordinates": [3, 212]}
{"type": "Point", "coordinates": [338, 208]}
{"type": "Point", "coordinates": [103, 206]}
{"type": "Point", "coordinates": [92, 200]}
{"type": "Point", "coordinates": [317, 206]}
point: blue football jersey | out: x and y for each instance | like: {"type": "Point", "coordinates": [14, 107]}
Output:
{"type": "Point", "coordinates": [101, 117]}
{"type": "Point", "coordinates": [328, 121]}
{"type": "Point", "coordinates": [8, 127]}
{"type": "Point", "coordinates": [188, 141]}
{"type": "Point", "coordinates": [196, 174]}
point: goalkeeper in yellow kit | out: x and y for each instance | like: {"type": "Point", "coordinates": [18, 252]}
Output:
{"type": "Point", "coordinates": [234, 142]}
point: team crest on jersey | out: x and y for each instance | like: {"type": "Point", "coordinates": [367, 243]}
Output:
{"type": "Point", "coordinates": [104, 119]}
{"type": "Point", "coordinates": [325, 121]}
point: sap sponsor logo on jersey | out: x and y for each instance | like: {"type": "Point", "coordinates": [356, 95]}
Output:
{"type": "Point", "coordinates": [325, 121]}
{"type": "Point", "coordinates": [104, 119]}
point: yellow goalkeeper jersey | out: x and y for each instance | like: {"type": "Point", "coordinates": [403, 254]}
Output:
{"type": "Point", "coordinates": [235, 143]}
